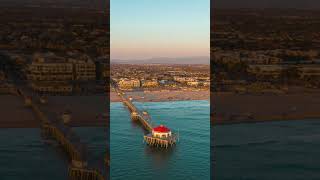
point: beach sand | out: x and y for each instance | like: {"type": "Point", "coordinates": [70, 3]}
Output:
{"type": "Point", "coordinates": [236, 108]}
{"type": "Point", "coordinates": [86, 111]}
{"type": "Point", "coordinates": [227, 107]}
{"type": "Point", "coordinates": [164, 95]}
{"type": "Point", "coordinates": [14, 114]}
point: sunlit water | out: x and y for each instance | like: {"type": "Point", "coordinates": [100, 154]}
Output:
{"type": "Point", "coordinates": [189, 159]}
{"type": "Point", "coordinates": [284, 150]}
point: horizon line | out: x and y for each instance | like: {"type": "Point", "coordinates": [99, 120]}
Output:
{"type": "Point", "coordinates": [158, 57]}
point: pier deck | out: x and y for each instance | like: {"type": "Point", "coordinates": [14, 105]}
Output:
{"type": "Point", "coordinates": [137, 115]}
{"type": "Point", "coordinates": [76, 151]}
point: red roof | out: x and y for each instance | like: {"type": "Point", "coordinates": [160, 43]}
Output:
{"type": "Point", "coordinates": [161, 129]}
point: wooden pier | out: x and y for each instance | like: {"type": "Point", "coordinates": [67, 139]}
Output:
{"type": "Point", "coordinates": [68, 141]}
{"type": "Point", "coordinates": [136, 115]}
{"type": "Point", "coordinates": [160, 142]}
{"type": "Point", "coordinates": [84, 174]}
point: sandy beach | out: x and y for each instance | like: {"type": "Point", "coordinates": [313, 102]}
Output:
{"type": "Point", "coordinates": [86, 111]}
{"type": "Point", "coordinates": [227, 108]}
{"type": "Point", "coordinates": [238, 108]}
{"type": "Point", "coordinates": [89, 110]}
{"type": "Point", "coordinates": [13, 113]}
{"type": "Point", "coordinates": [164, 95]}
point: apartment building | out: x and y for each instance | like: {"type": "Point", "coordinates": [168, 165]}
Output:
{"type": "Point", "coordinates": [129, 83]}
{"type": "Point", "coordinates": [150, 83]}
{"type": "Point", "coordinates": [48, 67]}
{"type": "Point", "coordinates": [84, 70]}
{"type": "Point", "coordinates": [54, 74]}
{"type": "Point", "coordinates": [52, 88]}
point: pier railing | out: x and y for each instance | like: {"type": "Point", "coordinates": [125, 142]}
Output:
{"type": "Point", "coordinates": [136, 114]}
{"type": "Point", "coordinates": [68, 140]}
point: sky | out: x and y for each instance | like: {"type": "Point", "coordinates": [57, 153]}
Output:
{"type": "Point", "coordinates": [144, 29]}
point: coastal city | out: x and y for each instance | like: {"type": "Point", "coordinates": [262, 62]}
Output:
{"type": "Point", "coordinates": [265, 93]}
{"type": "Point", "coordinates": [162, 82]}
{"type": "Point", "coordinates": [54, 70]}
{"type": "Point", "coordinates": [275, 49]}
{"type": "Point", "coordinates": [160, 90]}
{"type": "Point", "coordinates": [49, 73]}
{"type": "Point", "coordinates": [268, 53]}
{"type": "Point", "coordinates": [53, 57]}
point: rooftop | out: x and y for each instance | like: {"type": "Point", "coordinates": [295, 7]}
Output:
{"type": "Point", "coordinates": [162, 129]}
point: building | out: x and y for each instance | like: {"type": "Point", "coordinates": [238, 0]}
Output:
{"type": "Point", "coordinates": [161, 132]}
{"type": "Point", "coordinates": [48, 67]}
{"type": "Point", "coordinates": [52, 88]}
{"type": "Point", "coordinates": [193, 83]}
{"type": "Point", "coordinates": [84, 70]}
{"type": "Point", "coordinates": [161, 136]}
{"type": "Point", "coordinates": [273, 71]}
{"type": "Point", "coordinates": [311, 71]}
{"type": "Point", "coordinates": [129, 83]}
{"type": "Point", "coordinates": [180, 79]}
{"type": "Point", "coordinates": [49, 73]}
{"type": "Point", "coordinates": [184, 79]}
{"type": "Point", "coordinates": [150, 83]}
{"type": "Point", "coordinates": [206, 83]}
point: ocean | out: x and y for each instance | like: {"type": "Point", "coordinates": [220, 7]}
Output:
{"type": "Point", "coordinates": [25, 155]}
{"type": "Point", "coordinates": [283, 150]}
{"type": "Point", "coordinates": [189, 159]}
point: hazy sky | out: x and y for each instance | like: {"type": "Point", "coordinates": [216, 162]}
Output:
{"type": "Point", "coordinates": [142, 29]}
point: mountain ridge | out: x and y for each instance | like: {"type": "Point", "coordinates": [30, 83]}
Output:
{"type": "Point", "coordinates": [165, 60]}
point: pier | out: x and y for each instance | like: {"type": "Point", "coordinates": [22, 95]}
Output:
{"type": "Point", "coordinates": [136, 115]}
{"type": "Point", "coordinates": [58, 131]}
{"type": "Point", "coordinates": [153, 138]}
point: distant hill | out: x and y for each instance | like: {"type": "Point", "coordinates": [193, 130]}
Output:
{"type": "Point", "coordinates": [166, 60]}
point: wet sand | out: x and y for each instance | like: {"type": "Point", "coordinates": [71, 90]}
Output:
{"type": "Point", "coordinates": [239, 108]}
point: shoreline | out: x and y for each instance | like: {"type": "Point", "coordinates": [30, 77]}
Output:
{"type": "Point", "coordinates": [163, 95]}
{"type": "Point", "coordinates": [230, 108]}
{"type": "Point", "coordinates": [87, 111]}
{"type": "Point", "coordinates": [223, 123]}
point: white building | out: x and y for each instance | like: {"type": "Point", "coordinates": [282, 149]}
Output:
{"type": "Point", "coordinates": [161, 132]}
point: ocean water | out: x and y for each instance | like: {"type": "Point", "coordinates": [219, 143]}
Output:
{"type": "Point", "coordinates": [189, 159]}
{"type": "Point", "coordinates": [25, 155]}
{"type": "Point", "coordinates": [96, 140]}
{"type": "Point", "coordinates": [284, 150]}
